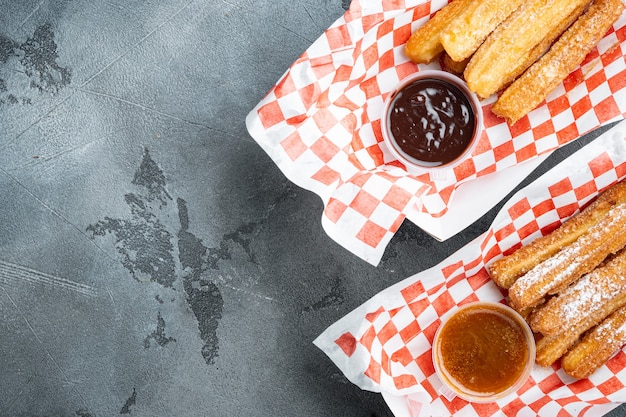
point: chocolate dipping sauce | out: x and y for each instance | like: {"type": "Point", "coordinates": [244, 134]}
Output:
{"type": "Point", "coordinates": [432, 121]}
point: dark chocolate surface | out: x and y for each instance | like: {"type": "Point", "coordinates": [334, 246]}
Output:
{"type": "Point", "coordinates": [432, 121]}
{"type": "Point", "coordinates": [153, 260]}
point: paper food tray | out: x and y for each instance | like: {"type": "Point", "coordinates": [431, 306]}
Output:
{"type": "Point", "coordinates": [385, 344]}
{"type": "Point", "coordinates": [320, 124]}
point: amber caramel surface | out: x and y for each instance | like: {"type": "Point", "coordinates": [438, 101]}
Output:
{"type": "Point", "coordinates": [483, 349]}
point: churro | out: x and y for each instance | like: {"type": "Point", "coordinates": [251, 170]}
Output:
{"type": "Point", "coordinates": [494, 63]}
{"type": "Point", "coordinates": [597, 346]}
{"type": "Point", "coordinates": [591, 299]}
{"type": "Point", "coordinates": [542, 47]}
{"type": "Point", "coordinates": [570, 280]}
{"type": "Point", "coordinates": [506, 270]}
{"type": "Point", "coordinates": [550, 348]}
{"type": "Point", "coordinates": [529, 90]}
{"type": "Point", "coordinates": [424, 45]}
{"type": "Point", "coordinates": [466, 32]}
{"type": "Point", "coordinates": [604, 238]}
{"type": "Point", "coordinates": [452, 66]}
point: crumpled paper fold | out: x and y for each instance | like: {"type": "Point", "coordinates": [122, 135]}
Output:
{"type": "Point", "coordinates": [385, 344]}
{"type": "Point", "coordinates": [320, 123]}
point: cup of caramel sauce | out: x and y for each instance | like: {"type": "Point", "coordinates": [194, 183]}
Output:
{"type": "Point", "coordinates": [483, 351]}
{"type": "Point", "coordinates": [431, 121]}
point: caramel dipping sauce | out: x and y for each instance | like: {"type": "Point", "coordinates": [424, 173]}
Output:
{"type": "Point", "coordinates": [431, 120]}
{"type": "Point", "coordinates": [483, 351]}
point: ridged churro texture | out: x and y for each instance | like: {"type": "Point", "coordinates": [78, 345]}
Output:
{"type": "Point", "coordinates": [593, 297]}
{"type": "Point", "coordinates": [570, 281]}
{"type": "Point", "coordinates": [492, 66]}
{"type": "Point", "coordinates": [521, 50]}
{"type": "Point", "coordinates": [467, 31]}
{"type": "Point", "coordinates": [554, 274]}
{"type": "Point", "coordinates": [551, 348]}
{"type": "Point", "coordinates": [424, 45]}
{"type": "Point", "coordinates": [567, 53]}
{"type": "Point", "coordinates": [506, 270]}
{"type": "Point", "coordinates": [452, 66]}
{"type": "Point", "coordinates": [565, 318]}
{"type": "Point", "coordinates": [542, 47]}
{"type": "Point", "coordinates": [597, 346]}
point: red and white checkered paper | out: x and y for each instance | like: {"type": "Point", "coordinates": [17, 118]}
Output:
{"type": "Point", "coordinates": [385, 345]}
{"type": "Point", "coordinates": [321, 122]}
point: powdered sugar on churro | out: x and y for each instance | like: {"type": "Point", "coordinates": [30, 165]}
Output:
{"type": "Point", "coordinates": [612, 335]}
{"type": "Point", "coordinates": [572, 261]}
{"type": "Point", "coordinates": [583, 321]}
{"type": "Point", "coordinates": [590, 293]}
{"type": "Point", "coordinates": [619, 337]}
{"type": "Point", "coordinates": [597, 346]}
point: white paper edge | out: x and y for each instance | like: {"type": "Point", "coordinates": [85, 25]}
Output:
{"type": "Point", "coordinates": [491, 189]}
{"type": "Point", "coordinates": [399, 404]}
{"type": "Point", "coordinates": [400, 408]}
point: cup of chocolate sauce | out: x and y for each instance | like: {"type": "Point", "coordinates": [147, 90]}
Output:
{"type": "Point", "coordinates": [431, 121]}
{"type": "Point", "coordinates": [483, 351]}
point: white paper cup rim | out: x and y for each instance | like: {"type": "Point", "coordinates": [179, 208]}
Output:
{"type": "Point", "coordinates": [412, 164]}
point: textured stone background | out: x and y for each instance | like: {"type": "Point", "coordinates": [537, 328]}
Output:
{"type": "Point", "coordinates": [153, 260]}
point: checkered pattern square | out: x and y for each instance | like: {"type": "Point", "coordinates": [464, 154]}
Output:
{"type": "Point", "coordinates": [395, 329]}
{"type": "Point", "coordinates": [321, 122]}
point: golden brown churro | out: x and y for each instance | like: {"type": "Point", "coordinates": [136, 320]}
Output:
{"type": "Point", "coordinates": [452, 66]}
{"type": "Point", "coordinates": [582, 276]}
{"type": "Point", "coordinates": [521, 49]}
{"type": "Point", "coordinates": [424, 45]}
{"type": "Point", "coordinates": [465, 33]}
{"type": "Point", "coordinates": [573, 261]}
{"type": "Point", "coordinates": [551, 348]}
{"type": "Point", "coordinates": [543, 46]}
{"type": "Point", "coordinates": [590, 299]}
{"type": "Point", "coordinates": [564, 56]}
{"type": "Point", "coordinates": [493, 65]}
{"type": "Point", "coordinates": [506, 270]}
{"type": "Point", "coordinates": [597, 346]}
{"type": "Point", "coordinates": [570, 284]}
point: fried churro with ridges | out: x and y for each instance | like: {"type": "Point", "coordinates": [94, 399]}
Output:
{"type": "Point", "coordinates": [597, 346]}
{"type": "Point", "coordinates": [564, 56]}
{"type": "Point", "coordinates": [493, 65]}
{"type": "Point", "coordinates": [544, 45]}
{"type": "Point", "coordinates": [506, 270]}
{"type": "Point", "coordinates": [467, 31]}
{"type": "Point", "coordinates": [592, 298]}
{"type": "Point", "coordinates": [452, 66]}
{"type": "Point", "coordinates": [551, 276]}
{"type": "Point", "coordinates": [550, 348]}
{"type": "Point", "coordinates": [424, 45]}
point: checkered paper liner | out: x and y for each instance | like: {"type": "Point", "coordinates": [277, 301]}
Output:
{"type": "Point", "coordinates": [321, 122]}
{"type": "Point", "coordinates": [385, 345]}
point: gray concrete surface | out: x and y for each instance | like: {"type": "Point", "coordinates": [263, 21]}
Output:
{"type": "Point", "coordinates": [153, 259]}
